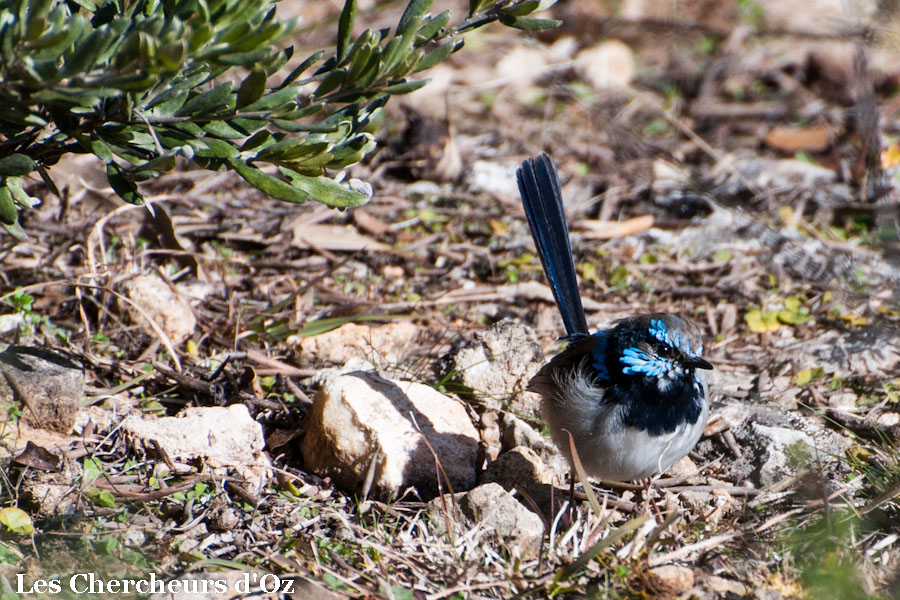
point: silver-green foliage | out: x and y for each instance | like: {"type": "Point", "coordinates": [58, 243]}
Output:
{"type": "Point", "coordinates": [140, 82]}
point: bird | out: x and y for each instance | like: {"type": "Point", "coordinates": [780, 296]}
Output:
{"type": "Point", "coordinates": [634, 396]}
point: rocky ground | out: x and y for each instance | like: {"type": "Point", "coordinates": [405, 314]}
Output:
{"type": "Point", "coordinates": [228, 385]}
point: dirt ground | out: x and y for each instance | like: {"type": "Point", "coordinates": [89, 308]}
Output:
{"type": "Point", "coordinates": [736, 162]}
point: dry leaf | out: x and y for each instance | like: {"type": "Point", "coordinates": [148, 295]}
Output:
{"type": "Point", "coordinates": [793, 139]}
{"type": "Point", "coordinates": [334, 237]}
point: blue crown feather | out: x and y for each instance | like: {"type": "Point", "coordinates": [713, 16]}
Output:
{"type": "Point", "coordinates": [639, 362]}
{"type": "Point", "coordinates": [675, 340]}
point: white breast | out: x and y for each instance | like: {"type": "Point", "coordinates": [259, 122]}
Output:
{"type": "Point", "coordinates": [607, 448]}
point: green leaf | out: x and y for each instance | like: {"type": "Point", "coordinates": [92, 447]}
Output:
{"type": "Point", "coordinates": [345, 29]}
{"type": "Point", "coordinates": [18, 192]}
{"type": "Point", "coordinates": [274, 99]}
{"type": "Point", "coordinates": [328, 191]}
{"type": "Point", "coordinates": [104, 498]}
{"type": "Point", "coordinates": [437, 55]}
{"type": "Point", "coordinates": [101, 150]}
{"type": "Point", "coordinates": [434, 26]}
{"type": "Point", "coordinates": [299, 69]}
{"type": "Point", "coordinates": [9, 214]}
{"type": "Point", "coordinates": [477, 5]}
{"type": "Point", "coordinates": [301, 189]}
{"type": "Point", "coordinates": [213, 148]}
{"type": "Point", "coordinates": [245, 59]}
{"type": "Point", "coordinates": [16, 231]}
{"type": "Point", "coordinates": [48, 182]}
{"type": "Point", "coordinates": [16, 164]}
{"type": "Point", "coordinates": [92, 469]}
{"type": "Point", "coordinates": [529, 24]}
{"type": "Point", "coordinates": [293, 149]}
{"type": "Point", "coordinates": [331, 82]}
{"type": "Point", "coordinates": [395, 51]}
{"type": "Point", "coordinates": [805, 376]}
{"type": "Point", "coordinates": [522, 8]}
{"type": "Point", "coordinates": [222, 129]}
{"type": "Point", "coordinates": [360, 58]}
{"type": "Point", "coordinates": [251, 89]}
{"type": "Point", "coordinates": [122, 185]}
{"type": "Point", "coordinates": [411, 18]}
{"type": "Point", "coordinates": [259, 139]}
{"type": "Point", "coordinates": [269, 185]}
{"type": "Point", "coordinates": [406, 87]}
{"type": "Point", "coordinates": [166, 103]}
{"type": "Point", "coordinates": [209, 101]}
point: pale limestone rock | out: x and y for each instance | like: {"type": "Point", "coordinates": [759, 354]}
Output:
{"type": "Point", "coordinates": [498, 364]}
{"type": "Point", "coordinates": [49, 495]}
{"type": "Point", "coordinates": [778, 443]}
{"type": "Point", "coordinates": [523, 470]}
{"type": "Point", "coordinates": [364, 425]}
{"type": "Point", "coordinates": [519, 529]}
{"type": "Point", "coordinates": [609, 64]}
{"type": "Point", "coordinates": [223, 438]}
{"type": "Point", "coordinates": [496, 177]}
{"type": "Point", "coordinates": [521, 66]}
{"type": "Point", "coordinates": [48, 385]}
{"type": "Point", "coordinates": [152, 298]}
{"type": "Point", "coordinates": [676, 577]}
{"type": "Point", "coordinates": [516, 432]}
{"type": "Point", "coordinates": [382, 344]}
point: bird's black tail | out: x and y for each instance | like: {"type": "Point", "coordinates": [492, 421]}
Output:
{"type": "Point", "coordinates": [542, 199]}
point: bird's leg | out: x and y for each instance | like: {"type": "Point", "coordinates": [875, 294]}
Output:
{"type": "Point", "coordinates": [572, 497]}
{"type": "Point", "coordinates": [649, 502]}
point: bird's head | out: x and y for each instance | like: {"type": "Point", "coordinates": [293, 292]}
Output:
{"type": "Point", "coordinates": [662, 347]}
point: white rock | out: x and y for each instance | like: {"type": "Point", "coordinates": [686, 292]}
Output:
{"type": "Point", "coordinates": [10, 322]}
{"type": "Point", "coordinates": [608, 64]}
{"type": "Point", "coordinates": [494, 177]}
{"type": "Point", "coordinates": [516, 432]}
{"type": "Point", "coordinates": [521, 66]}
{"type": "Point", "coordinates": [223, 438]}
{"type": "Point", "coordinates": [360, 417]}
{"type": "Point", "coordinates": [499, 363]}
{"type": "Point", "coordinates": [888, 419]}
{"type": "Point", "coordinates": [48, 385]}
{"type": "Point", "coordinates": [777, 444]}
{"type": "Point", "coordinates": [152, 298]}
{"type": "Point", "coordinates": [385, 344]}
{"type": "Point", "coordinates": [826, 16]}
{"type": "Point", "coordinates": [676, 577]}
{"type": "Point", "coordinates": [519, 529]}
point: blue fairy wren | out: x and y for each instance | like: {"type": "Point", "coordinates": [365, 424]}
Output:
{"type": "Point", "coordinates": [634, 396]}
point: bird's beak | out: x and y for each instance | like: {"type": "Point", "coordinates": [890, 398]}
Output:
{"type": "Point", "coordinates": [696, 363]}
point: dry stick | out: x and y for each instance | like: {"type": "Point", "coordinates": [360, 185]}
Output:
{"type": "Point", "coordinates": [148, 496]}
{"type": "Point", "coordinates": [205, 387]}
{"type": "Point", "coordinates": [282, 368]}
{"type": "Point", "coordinates": [685, 551]}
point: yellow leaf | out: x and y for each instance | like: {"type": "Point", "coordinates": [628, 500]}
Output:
{"type": "Point", "coordinates": [890, 156]}
{"type": "Point", "coordinates": [16, 520]}
{"type": "Point", "coordinates": [191, 347]}
{"type": "Point", "coordinates": [787, 216]}
{"type": "Point", "coordinates": [759, 322]}
{"type": "Point", "coordinates": [854, 320]}
{"type": "Point", "coordinates": [805, 376]}
{"type": "Point", "coordinates": [498, 227]}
